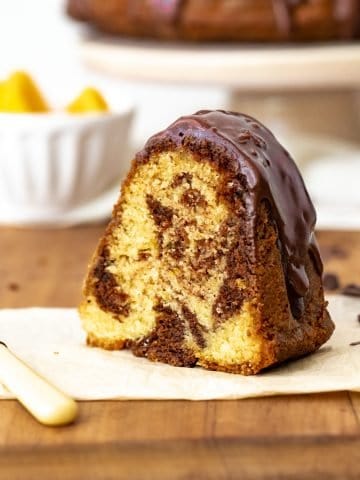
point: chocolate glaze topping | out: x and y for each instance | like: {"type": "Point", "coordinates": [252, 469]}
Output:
{"type": "Point", "coordinates": [170, 11]}
{"type": "Point", "coordinates": [283, 13]}
{"type": "Point", "coordinates": [346, 13]}
{"type": "Point", "coordinates": [253, 153]}
{"type": "Point", "coordinates": [166, 11]}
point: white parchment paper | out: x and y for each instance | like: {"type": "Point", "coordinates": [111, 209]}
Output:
{"type": "Point", "coordinates": [51, 341]}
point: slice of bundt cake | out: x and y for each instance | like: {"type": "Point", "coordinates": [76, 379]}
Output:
{"type": "Point", "coordinates": [210, 257]}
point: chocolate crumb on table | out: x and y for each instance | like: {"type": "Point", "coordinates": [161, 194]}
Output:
{"type": "Point", "coordinates": [332, 251]}
{"type": "Point", "coordinates": [42, 261]}
{"type": "Point", "coordinates": [331, 281]}
{"type": "Point", "coordinates": [352, 290]}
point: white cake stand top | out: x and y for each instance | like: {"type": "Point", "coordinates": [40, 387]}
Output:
{"type": "Point", "coordinates": [239, 66]}
{"type": "Point", "coordinates": [306, 94]}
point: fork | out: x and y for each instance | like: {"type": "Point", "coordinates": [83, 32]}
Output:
{"type": "Point", "coordinates": [43, 400]}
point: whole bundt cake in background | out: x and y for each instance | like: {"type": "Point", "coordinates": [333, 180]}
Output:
{"type": "Point", "coordinates": [210, 257]}
{"type": "Point", "coordinates": [223, 20]}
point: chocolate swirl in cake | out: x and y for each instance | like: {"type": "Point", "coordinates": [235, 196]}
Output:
{"type": "Point", "coordinates": [270, 174]}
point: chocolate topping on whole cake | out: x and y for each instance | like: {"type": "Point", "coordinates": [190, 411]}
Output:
{"type": "Point", "coordinates": [344, 11]}
{"type": "Point", "coordinates": [164, 12]}
{"type": "Point", "coordinates": [208, 20]}
{"type": "Point", "coordinates": [270, 175]}
{"type": "Point", "coordinates": [167, 9]}
{"type": "Point", "coordinates": [283, 14]}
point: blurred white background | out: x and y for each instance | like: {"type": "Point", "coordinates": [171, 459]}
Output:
{"type": "Point", "coordinates": [36, 35]}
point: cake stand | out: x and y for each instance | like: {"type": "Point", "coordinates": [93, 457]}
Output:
{"type": "Point", "coordinates": [307, 94]}
{"type": "Point", "coordinates": [309, 89]}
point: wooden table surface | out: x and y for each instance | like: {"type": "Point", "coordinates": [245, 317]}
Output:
{"type": "Point", "coordinates": [289, 437]}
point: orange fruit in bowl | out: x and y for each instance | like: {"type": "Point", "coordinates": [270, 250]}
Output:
{"type": "Point", "coordinates": [90, 100]}
{"type": "Point", "coordinates": [20, 94]}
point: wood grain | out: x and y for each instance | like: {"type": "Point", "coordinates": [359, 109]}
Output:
{"type": "Point", "coordinates": [207, 460]}
{"type": "Point", "coordinates": [300, 437]}
{"type": "Point", "coordinates": [44, 267]}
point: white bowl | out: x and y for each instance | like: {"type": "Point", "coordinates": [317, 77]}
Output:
{"type": "Point", "coordinates": [52, 163]}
